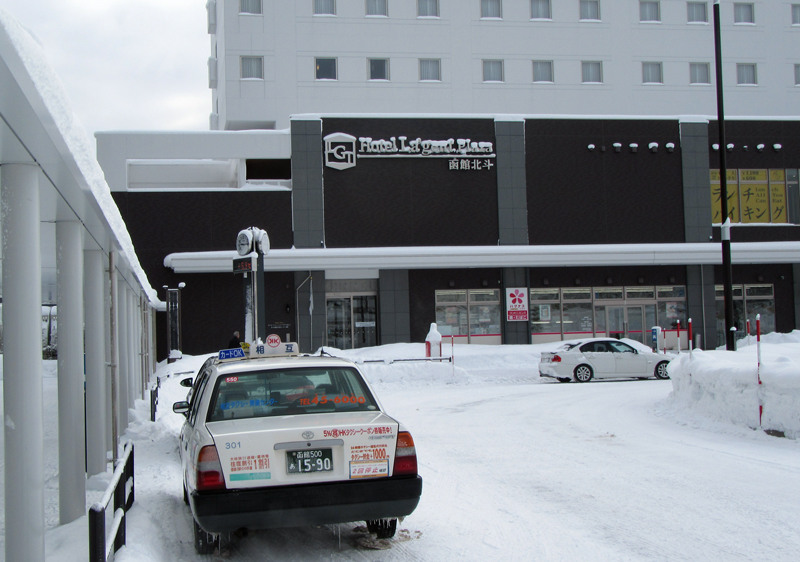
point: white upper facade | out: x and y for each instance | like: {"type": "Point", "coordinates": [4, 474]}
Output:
{"type": "Point", "coordinates": [274, 58]}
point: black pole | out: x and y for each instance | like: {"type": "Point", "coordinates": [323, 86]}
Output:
{"type": "Point", "coordinates": [727, 269]}
{"type": "Point", "coordinates": [261, 299]}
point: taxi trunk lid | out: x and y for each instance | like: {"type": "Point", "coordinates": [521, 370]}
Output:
{"type": "Point", "coordinates": [304, 449]}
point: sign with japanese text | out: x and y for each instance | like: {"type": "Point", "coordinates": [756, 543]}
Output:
{"type": "Point", "coordinates": [716, 197]}
{"type": "Point", "coordinates": [517, 304]}
{"type": "Point", "coordinates": [777, 188]}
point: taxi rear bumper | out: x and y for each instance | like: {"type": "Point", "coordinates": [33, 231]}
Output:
{"type": "Point", "coordinates": [306, 505]}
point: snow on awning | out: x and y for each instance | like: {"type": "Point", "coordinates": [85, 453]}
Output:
{"type": "Point", "coordinates": [449, 257]}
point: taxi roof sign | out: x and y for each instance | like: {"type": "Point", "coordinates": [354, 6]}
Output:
{"type": "Point", "coordinates": [281, 349]}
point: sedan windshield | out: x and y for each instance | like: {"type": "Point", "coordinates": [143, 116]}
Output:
{"type": "Point", "coordinates": [289, 392]}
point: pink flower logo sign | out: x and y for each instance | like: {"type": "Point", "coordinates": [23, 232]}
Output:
{"type": "Point", "coordinates": [516, 304]}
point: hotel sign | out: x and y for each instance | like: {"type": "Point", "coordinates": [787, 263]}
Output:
{"type": "Point", "coordinates": [342, 151]}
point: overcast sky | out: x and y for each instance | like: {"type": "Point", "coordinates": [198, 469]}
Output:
{"type": "Point", "coordinates": [126, 64]}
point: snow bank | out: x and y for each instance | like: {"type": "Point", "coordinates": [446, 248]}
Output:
{"type": "Point", "coordinates": [723, 385]}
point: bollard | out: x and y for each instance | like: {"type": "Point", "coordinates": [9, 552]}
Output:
{"type": "Point", "coordinates": [433, 342]}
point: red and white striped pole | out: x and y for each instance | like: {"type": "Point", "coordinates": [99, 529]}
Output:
{"type": "Point", "coordinates": [691, 346]}
{"type": "Point", "coordinates": [679, 336]}
{"type": "Point", "coordinates": [758, 369]}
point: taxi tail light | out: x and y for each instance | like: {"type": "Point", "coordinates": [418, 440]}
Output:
{"type": "Point", "coordinates": [209, 470]}
{"type": "Point", "coordinates": [556, 359]}
{"type": "Point", "coordinates": [405, 457]}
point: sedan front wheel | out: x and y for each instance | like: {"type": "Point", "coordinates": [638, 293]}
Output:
{"type": "Point", "coordinates": [583, 373]}
{"type": "Point", "coordinates": [661, 371]}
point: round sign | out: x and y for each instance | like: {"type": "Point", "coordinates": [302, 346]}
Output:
{"type": "Point", "coordinates": [273, 340]}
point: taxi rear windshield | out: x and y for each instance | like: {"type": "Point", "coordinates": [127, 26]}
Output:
{"type": "Point", "coordinates": [289, 392]}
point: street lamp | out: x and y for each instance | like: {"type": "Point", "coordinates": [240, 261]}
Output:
{"type": "Point", "coordinates": [256, 240]}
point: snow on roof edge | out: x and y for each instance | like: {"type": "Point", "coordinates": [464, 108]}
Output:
{"type": "Point", "coordinates": [683, 118]}
{"type": "Point", "coordinates": [55, 99]}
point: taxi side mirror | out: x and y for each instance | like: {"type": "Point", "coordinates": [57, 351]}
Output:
{"type": "Point", "coordinates": [186, 382]}
{"type": "Point", "coordinates": [180, 408]}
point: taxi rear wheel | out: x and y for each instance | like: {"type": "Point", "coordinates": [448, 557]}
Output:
{"type": "Point", "coordinates": [383, 528]}
{"type": "Point", "coordinates": [204, 543]}
{"type": "Point", "coordinates": [583, 373]}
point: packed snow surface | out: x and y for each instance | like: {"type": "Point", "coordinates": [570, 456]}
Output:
{"type": "Point", "coordinates": [514, 468]}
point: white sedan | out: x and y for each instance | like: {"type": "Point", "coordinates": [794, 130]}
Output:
{"type": "Point", "coordinates": [291, 441]}
{"type": "Point", "coordinates": [601, 358]}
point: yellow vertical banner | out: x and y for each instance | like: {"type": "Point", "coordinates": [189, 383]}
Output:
{"type": "Point", "coordinates": [777, 189]}
{"type": "Point", "coordinates": [754, 196]}
{"type": "Point", "coordinates": [716, 197]}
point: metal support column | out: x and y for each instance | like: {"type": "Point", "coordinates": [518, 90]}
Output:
{"type": "Point", "coordinates": [22, 364]}
{"type": "Point", "coordinates": [122, 345]}
{"type": "Point", "coordinates": [96, 391]}
{"type": "Point", "coordinates": [71, 443]}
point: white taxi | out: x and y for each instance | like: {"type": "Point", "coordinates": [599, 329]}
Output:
{"type": "Point", "coordinates": [291, 441]}
{"type": "Point", "coordinates": [602, 358]}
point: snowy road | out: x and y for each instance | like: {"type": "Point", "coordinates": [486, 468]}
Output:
{"type": "Point", "coordinates": [539, 472]}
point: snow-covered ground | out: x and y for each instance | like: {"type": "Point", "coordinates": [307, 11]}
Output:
{"type": "Point", "coordinates": [513, 467]}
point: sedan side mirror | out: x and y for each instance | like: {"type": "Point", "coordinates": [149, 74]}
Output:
{"type": "Point", "coordinates": [186, 382]}
{"type": "Point", "coordinates": [180, 408]}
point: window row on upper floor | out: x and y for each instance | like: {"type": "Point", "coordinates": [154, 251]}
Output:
{"type": "Point", "coordinates": [493, 71]}
{"type": "Point", "coordinates": [587, 10]}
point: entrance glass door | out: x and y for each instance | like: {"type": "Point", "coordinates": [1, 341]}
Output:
{"type": "Point", "coordinates": [352, 321]}
{"type": "Point", "coordinates": [365, 318]}
{"type": "Point", "coordinates": [616, 321]}
{"type": "Point", "coordinates": [635, 323]}
{"type": "Point", "coordinates": [340, 328]}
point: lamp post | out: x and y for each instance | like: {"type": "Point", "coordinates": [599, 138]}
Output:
{"type": "Point", "coordinates": [256, 240]}
{"type": "Point", "coordinates": [725, 231]}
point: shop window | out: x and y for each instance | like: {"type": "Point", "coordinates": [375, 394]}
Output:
{"type": "Point", "coordinates": [577, 318]}
{"type": "Point", "coordinates": [608, 293]}
{"type": "Point", "coordinates": [749, 301]}
{"type": "Point", "coordinates": [470, 316]}
{"type": "Point", "coordinates": [671, 292]}
{"type": "Point", "coordinates": [577, 294]}
{"type": "Point", "coordinates": [697, 12]}
{"type": "Point", "coordinates": [640, 293]}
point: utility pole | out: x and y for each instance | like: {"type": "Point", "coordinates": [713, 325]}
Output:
{"type": "Point", "coordinates": [725, 231]}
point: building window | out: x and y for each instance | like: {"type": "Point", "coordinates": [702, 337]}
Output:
{"type": "Point", "coordinates": [795, 14]}
{"type": "Point", "coordinates": [472, 316]}
{"type": "Point", "coordinates": [649, 11]}
{"type": "Point", "coordinates": [249, 6]}
{"type": "Point", "coordinates": [797, 75]}
{"type": "Point", "coordinates": [252, 68]}
{"type": "Point", "coordinates": [590, 10]}
{"type": "Point", "coordinates": [754, 300]}
{"type": "Point", "coordinates": [492, 71]}
{"type": "Point", "coordinates": [378, 8]}
{"type": "Point", "coordinates": [378, 69]}
{"type": "Point", "coordinates": [540, 10]}
{"type": "Point", "coordinates": [746, 74]}
{"type": "Point", "coordinates": [592, 72]}
{"type": "Point", "coordinates": [744, 13]}
{"type": "Point", "coordinates": [428, 8]}
{"type": "Point", "coordinates": [491, 9]}
{"type": "Point", "coordinates": [699, 73]}
{"type": "Point", "coordinates": [652, 73]}
{"type": "Point", "coordinates": [543, 71]}
{"type": "Point", "coordinates": [430, 70]}
{"type": "Point", "coordinates": [697, 12]}
{"type": "Point", "coordinates": [324, 7]}
{"type": "Point", "coordinates": [325, 69]}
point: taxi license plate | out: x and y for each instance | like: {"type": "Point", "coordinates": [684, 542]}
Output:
{"type": "Point", "coordinates": [310, 460]}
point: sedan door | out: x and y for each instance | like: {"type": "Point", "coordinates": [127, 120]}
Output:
{"type": "Point", "coordinates": [599, 357]}
{"type": "Point", "coordinates": [628, 361]}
